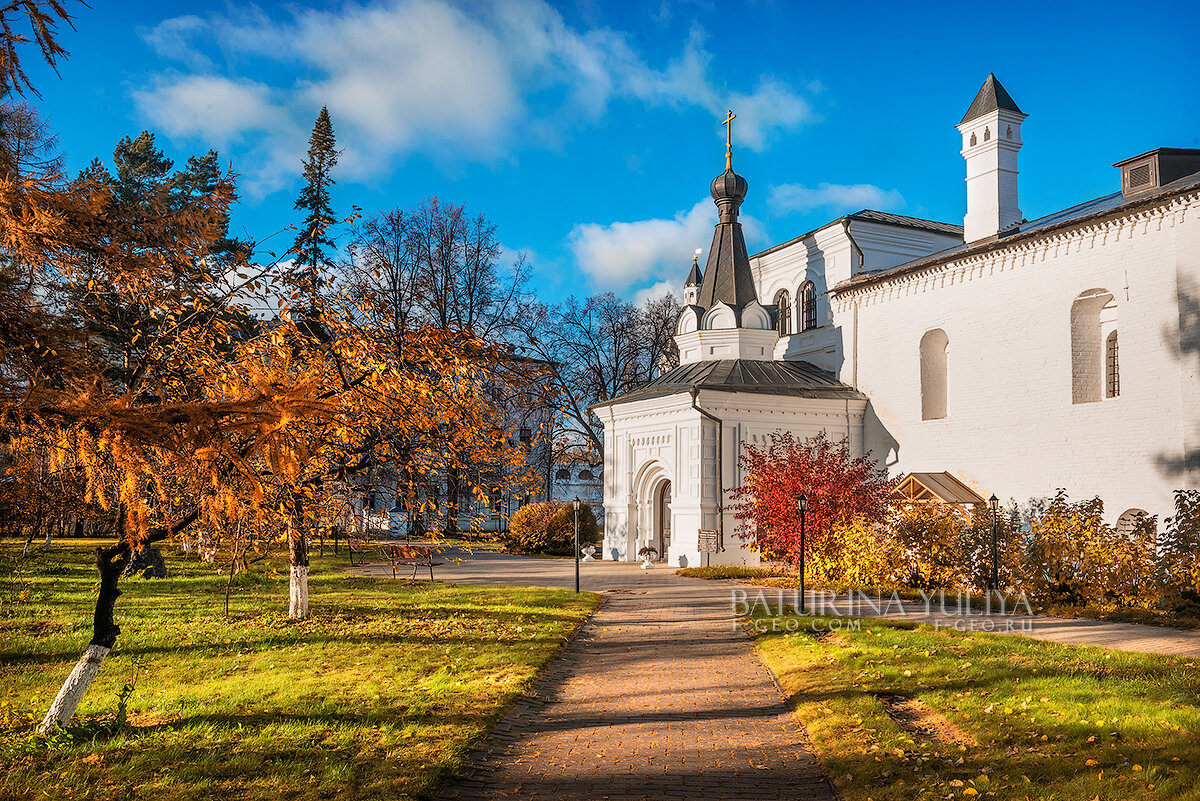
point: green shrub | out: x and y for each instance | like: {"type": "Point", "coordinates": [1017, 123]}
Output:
{"type": "Point", "coordinates": [527, 530]}
{"type": "Point", "coordinates": [1179, 555]}
{"type": "Point", "coordinates": [560, 531]}
{"type": "Point", "coordinates": [860, 554]}
{"type": "Point", "coordinates": [1072, 556]}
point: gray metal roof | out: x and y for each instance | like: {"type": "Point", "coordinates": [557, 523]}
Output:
{"type": "Point", "coordinates": [727, 277]}
{"type": "Point", "coordinates": [992, 96]}
{"type": "Point", "coordinates": [1060, 219]}
{"type": "Point", "coordinates": [694, 278]}
{"type": "Point", "coordinates": [798, 379]}
{"type": "Point", "coordinates": [870, 215]}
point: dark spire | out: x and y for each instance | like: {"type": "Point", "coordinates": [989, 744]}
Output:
{"type": "Point", "coordinates": [727, 277]}
{"type": "Point", "coordinates": [693, 278]}
{"type": "Point", "coordinates": [992, 96]}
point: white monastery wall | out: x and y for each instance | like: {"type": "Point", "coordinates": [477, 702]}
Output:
{"type": "Point", "coordinates": [1011, 426]}
{"type": "Point", "coordinates": [828, 256]}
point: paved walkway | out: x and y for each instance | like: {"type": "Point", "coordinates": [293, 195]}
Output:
{"type": "Point", "coordinates": [661, 695]}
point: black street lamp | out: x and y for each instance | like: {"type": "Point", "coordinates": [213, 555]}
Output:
{"type": "Point", "coordinates": [994, 501]}
{"type": "Point", "coordinates": [802, 505]}
{"type": "Point", "coordinates": [575, 504]}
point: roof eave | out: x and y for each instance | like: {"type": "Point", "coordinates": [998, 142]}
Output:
{"type": "Point", "coordinates": [1003, 240]}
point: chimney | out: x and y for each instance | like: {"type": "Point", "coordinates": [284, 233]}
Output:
{"type": "Point", "coordinates": [991, 132]}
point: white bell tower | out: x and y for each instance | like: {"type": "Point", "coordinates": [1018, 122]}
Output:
{"type": "Point", "coordinates": [991, 132]}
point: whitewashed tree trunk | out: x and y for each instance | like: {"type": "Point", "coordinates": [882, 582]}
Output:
{"type": "Point", "coordinates": [73, 688]}
{"type": "Point", "coordinates": [298, 578]}
{"type": "Point", "coordinates": [298, 593]}
{"type": "Point", "coordinates": [111, 563]}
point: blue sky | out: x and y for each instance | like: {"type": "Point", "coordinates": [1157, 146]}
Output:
{"type": "Point", "coordinates": [589, 131]}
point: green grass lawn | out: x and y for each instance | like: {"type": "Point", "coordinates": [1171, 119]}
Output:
{"type": "Point", "coordinates": [379, 695]}
{"type": "Point", "coordinates": [1039, 720]}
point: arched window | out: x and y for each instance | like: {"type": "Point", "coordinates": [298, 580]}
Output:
{"type": "Point", "coordinates": [783, 312]}
{"type": "Point", "coordinates": [1093, 321]}
{"type": "Point", "coordinates": [585, 475]}
{"type": "Point", "coordinates": [808, 306]}
{"type": "Point", "coordinates": [1112, 367]}
{"type": "Point", "coordinates": [987, 134]}
{"type": "Point", "coordinates": [1129, 521]}
{"type": "Point", "coordinates": [562, 475]}
{"type": "Point", "coordinates": [934, 346]}
{"type": "Point", "coordinates": [974, 141]}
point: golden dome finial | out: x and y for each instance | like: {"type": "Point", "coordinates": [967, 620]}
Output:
{"type": "Point", "coordinates": [728, 123]}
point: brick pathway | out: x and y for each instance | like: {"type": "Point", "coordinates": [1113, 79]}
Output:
{"type": "Point", "coordinates": [660, 696]}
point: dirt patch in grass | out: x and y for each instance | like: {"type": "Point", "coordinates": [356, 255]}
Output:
{"type": "Point", "coordinates": [827, 637]}
{"type": "Point", "coordinates": [921, 721]}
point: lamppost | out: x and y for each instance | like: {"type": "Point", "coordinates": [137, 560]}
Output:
{"type": "Point", "coordinates": [802, 505]}
{"type": "Point", "coordinates": [994, 501]}
{"type": "Point", "coordinates": [575, 504]}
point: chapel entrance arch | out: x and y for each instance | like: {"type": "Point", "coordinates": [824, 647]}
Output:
{"type": "Point", "coordinates": [662, 518]}
{"type": "Point", "coordinates": [652, 494]}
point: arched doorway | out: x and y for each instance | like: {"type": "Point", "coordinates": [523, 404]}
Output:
{"type": "Point", "coordinates": [662, 519]}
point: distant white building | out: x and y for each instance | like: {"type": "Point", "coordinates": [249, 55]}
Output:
{"type": "Point", "coordinates": [1020, 356]}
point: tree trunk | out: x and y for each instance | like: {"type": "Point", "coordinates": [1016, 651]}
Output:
{"type": "Point", "coordinates": [111, 563]}
{"type": "Point", "coordinates": [298, 579]}
{"type": "Point", "coordinates": [452, 489]}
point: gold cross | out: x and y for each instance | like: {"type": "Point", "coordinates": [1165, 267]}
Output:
{"type": "Point", "coordinates": [728, 123]}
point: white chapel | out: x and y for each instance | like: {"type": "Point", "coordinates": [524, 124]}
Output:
{"type": "Point", "coordinates": [1019, 356]}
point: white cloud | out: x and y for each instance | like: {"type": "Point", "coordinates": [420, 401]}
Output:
{"type": "Point", "coordinates": [213, 107]}
{"type": "Point", "coordinates": [431, 76]}
{"type": "Point", "coordinates": [770, 108]}
{"type": "Point", "coordinates": [656, 291]}
{"type": "Point", "coordinates": [623, 254]}
{"type": "Point", "coordinates": [171, 39]}
{"type": "Point", "coordinates": [796, 197]}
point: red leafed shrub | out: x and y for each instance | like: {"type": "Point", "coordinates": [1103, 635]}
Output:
{"type": "Point", "coordinates": [841, 490]}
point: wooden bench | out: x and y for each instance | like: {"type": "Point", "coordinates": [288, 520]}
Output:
{"type": "Point", "coordinates": [415, 556]}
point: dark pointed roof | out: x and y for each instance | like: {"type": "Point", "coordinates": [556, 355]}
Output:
{"type": "Point", "coordinates": [727, 277]}
{"type": "Point", "coordinates": [694, 277]}
{"type": "Point", "coordinates": [992, 96]}
{"type": "Point", "coordinates": [797, 379]}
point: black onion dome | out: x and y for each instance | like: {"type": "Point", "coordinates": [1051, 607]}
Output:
{"type": "Point", "coordinates": [728, 186]}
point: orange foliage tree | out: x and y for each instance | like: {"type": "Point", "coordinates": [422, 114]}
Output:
{"type": "Point", "coordinates": [137, 357]}
{"type": "Point", "coordinates": [841, 490]}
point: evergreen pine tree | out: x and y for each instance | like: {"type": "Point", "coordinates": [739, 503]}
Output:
{"type": "Point", "coordinates": [314, 239]}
